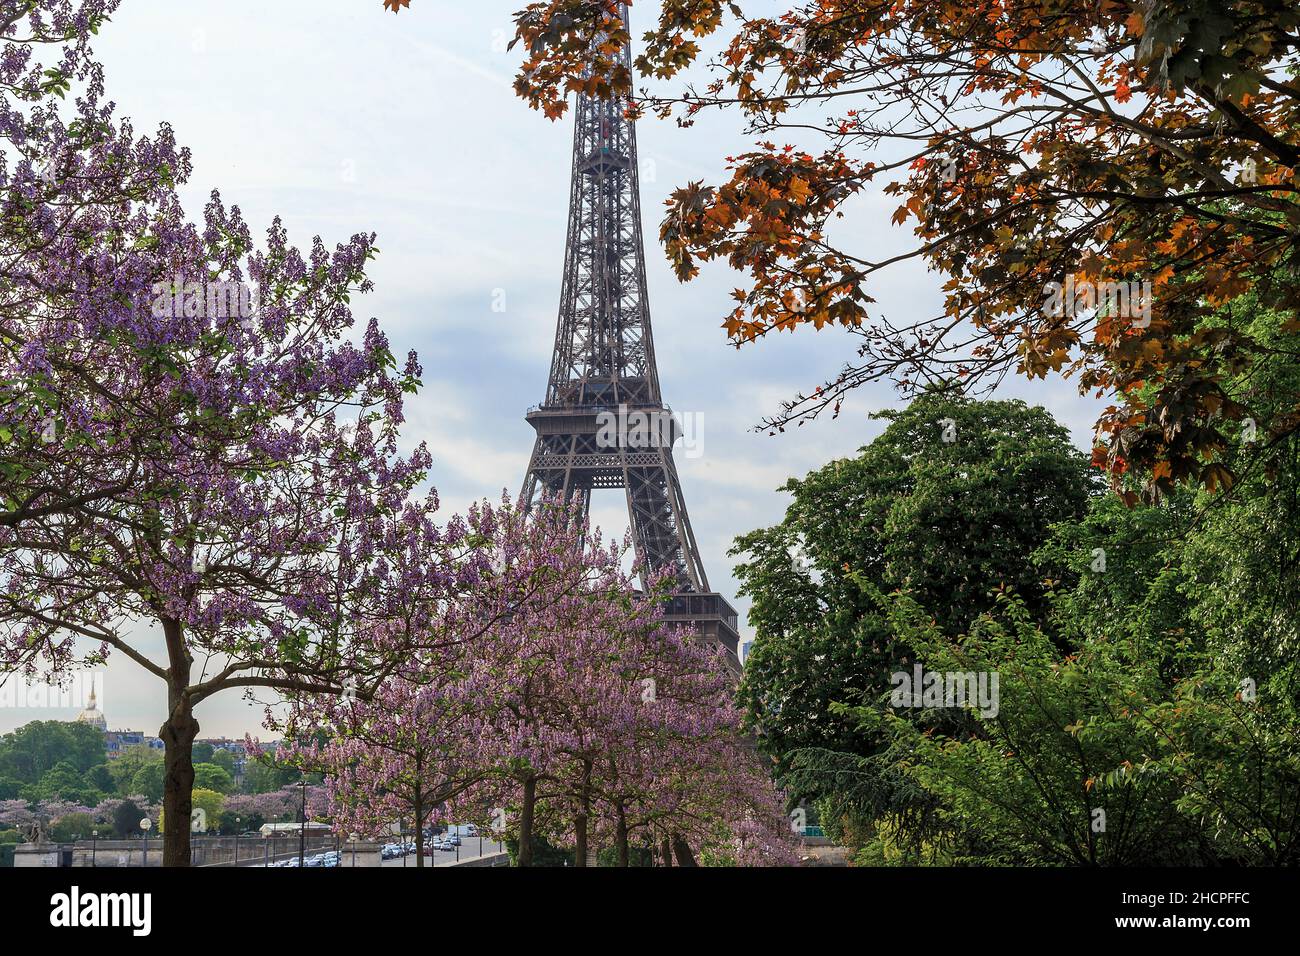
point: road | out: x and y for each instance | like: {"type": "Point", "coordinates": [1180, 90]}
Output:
{"type": "Point", "coordinates": [469, 850]}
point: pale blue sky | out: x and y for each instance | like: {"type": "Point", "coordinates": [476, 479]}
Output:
{"type": "Point", "coordinates": [343, 118]}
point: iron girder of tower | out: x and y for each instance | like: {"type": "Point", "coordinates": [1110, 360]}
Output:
{"type": "Point", "coordinates": [604, 362]}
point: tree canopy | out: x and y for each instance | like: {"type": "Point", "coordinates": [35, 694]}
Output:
{"type": "Point", "coordinates": [948, 504]}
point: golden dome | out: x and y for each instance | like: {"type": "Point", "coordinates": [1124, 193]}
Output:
{"type": "Point", "coordinates": [92, 715]}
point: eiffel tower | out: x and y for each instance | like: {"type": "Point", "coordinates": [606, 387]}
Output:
{"type": "Point", "coordinates": [603, 423]}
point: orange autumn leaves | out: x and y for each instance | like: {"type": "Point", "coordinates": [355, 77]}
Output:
{"type": "Point", "coordinates": [768, 221]}
{"type": "Point", "coordinates": [1028, 142]}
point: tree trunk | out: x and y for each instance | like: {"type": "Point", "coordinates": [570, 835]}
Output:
{"type": "Point", "coordinates": [526, 822]}
{"type": "Point", "coordinates": [620, 837]}
{"type": "Point", "coordinates": [666, 851]}
{"type": "Point", "coordinates": [580, 822]}
{"type": "Point", "coordinates": [177, 735]}
{"type": "Point", "coordinates": [580, 840]}
{"type": "Point", "coordinates": [178, 783]}
{"type": "Point", "coordinates": [682, 850]}
{"type": "Point", "coordinates": [419, 828]}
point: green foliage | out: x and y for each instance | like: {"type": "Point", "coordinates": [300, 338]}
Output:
{"type": "Point", "coordinates": [129, 763]}
{"type": "Point", "coordinates": [1096, 758]}
{"type": "Point", "coordinates": [637, 856]}
{"type": "Point", "coordinates": [63, 782]}
{"type": "Point", "coordinates": [948, 504]}
{"type": "Point", "coordinates": [264, 775]}
{"type": "Point", "coordinates": [101, 778]}
{"type": "Point", "coordinates": [126, 820]}
{"type": "Point", "coordinates": [1148, 675]}
{"type": "Point", "coordinates": [1062, 773]}
{"type": "Point", "coordinates": [73, 827]}
{"type": "Point", "coordinates": [544, 853]}
{"type": "Point", "coordinates": [209, 802]}
{"type": "Point", "coordinates": [885, 844]}
{"type": "Point", "coordinates": [212, 777]}
{"type": "Point", "coordinates": [30, 752]}
{"type": "Point", "coordinates": [225, 760]}
{"type": "Point", "coordinates": [148, 780]}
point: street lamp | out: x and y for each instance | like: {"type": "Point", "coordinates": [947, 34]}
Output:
{"type": "Point", "coordinates": [145, 824]}
{"type": "Point", "coordinates": [94, 842]}
{"type": "Point", "coordinates": [236, 841]}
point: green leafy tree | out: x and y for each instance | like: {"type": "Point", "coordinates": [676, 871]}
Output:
{"type": "Point", "coordinates": [130, 762]}
{"type": "Point", "coordinates": [32, 750]}
{"type": "Point", "coordinates": [73, 827]}
{"type": "Point", "coordinates": [1234, 753]}
{"type": "Point", "coordinates": [63, 782]}
{"type": "Point", "coordinates": [1058, 771]}
{"type": "Point", "coordinates": [1103, 755]}
{"type": "Point", "coordinates": [126, 820]}
{"type": "Point", "coordinates": [209, 776]}
{"type": "Point", "coordinates": [264, 775]}
{"type": "Point", "coordinates": [208, 803]}
{"type": "Point", "coordinates": [101, 778]}
{"type": "Point", "coordinates": [948, 503]}
{"type": "Point", "coordinates": [225, 760]}
{"type": "Point", "coordinates": [148, 781]}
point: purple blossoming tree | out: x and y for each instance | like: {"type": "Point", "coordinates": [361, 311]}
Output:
{"type": "Point", "coordinates": [180, 464]}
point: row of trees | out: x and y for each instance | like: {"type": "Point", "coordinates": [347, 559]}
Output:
{"type": "Point", "coordinates": [119, 817]}
{"type": "Point", "coordinates": [57, 760]}
{"type": "Point", "coordinates": [581, 719]}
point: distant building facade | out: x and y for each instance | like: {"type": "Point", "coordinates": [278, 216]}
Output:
{"type": "Point", "coordinates": [236, 748]}
{"type": "Point", "coordinates": [117, 741]}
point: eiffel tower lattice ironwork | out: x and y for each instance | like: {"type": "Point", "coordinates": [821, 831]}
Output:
{"type": "Point", "coordinates": [603, 424]}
